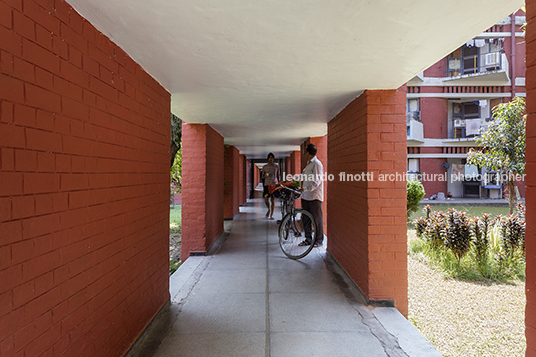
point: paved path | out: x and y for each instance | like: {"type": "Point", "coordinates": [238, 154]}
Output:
{"type": "Point", "coordinates": [248, 299]}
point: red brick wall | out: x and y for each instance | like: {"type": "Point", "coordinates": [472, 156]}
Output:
{"type": "Point", "coordinates": [257, 175]}
{"type": "Point", "coordinates": [431, 167]}
{"type": "Point", "coordinates": [231, 180]}
{"type": "Point", "coordinates": [431, 110]}
{"type": "Point", "coordinates": [287, 170]}
{"type": "Point", "coordinates": [84, 187]}
{"type": "Point", "coordinates": [530, 238]}
{"type": "Point", "coordinates": [321, 143]}
{"type": "Point", "coordinates": [295, 162]}
{"type": "Point", "coordinates": [367, 219]}
{"type": "Point", "coordinates": [438, 69]}
{"type": "Point", "coordinates": [202, 190]}
{"type": "Point", "coordinates": [241, 179]}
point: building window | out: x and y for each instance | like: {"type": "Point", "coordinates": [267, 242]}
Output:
{"type": "Point", "coordinates": [412, 110]}
{"type": "Point", "coordinates": [466, 119]}
{"type": "Point", "coordinates": [476, 56]}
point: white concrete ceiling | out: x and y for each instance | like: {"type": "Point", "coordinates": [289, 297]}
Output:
{"type": "Point", "coordinates": [268, 74]}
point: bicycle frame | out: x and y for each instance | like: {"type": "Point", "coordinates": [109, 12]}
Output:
{"type": "Point", "coordinates": [296, 228]}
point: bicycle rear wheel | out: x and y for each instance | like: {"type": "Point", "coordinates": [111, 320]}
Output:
{"type": "Point", "coordinates": [297, 227]}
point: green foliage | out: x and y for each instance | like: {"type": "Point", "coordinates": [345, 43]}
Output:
{"type": "Point", "coordinates": [503, 143]}
{"type": "Point", "coordinates": [415, 193]}
{"type": "Point", "coordinates": [477, 248]}
{"type": "Point", "coordinates": [176, 172]}
{"type": "Point", "coordinates": [176, 153]}
{"type": "Point", "coordinates": [176, 137]}
{"type": "Point", "coordinates": [504, 140]}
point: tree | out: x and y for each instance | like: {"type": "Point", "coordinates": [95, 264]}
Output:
{"type": "Point", "coordinates": [503, 144]}
{"type": "Point", "coordinates": [176, 171]}
{"type": "Point", "coordinates": [176, 136]}
{"type": "Point", "coordinates": [176, 153]}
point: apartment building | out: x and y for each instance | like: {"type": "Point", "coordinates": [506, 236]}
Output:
{"type": "Point", "coordinates": [451, 101]}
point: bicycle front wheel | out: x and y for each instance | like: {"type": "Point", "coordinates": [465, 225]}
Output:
{"type": "Point", "coordinates": [297, 234]}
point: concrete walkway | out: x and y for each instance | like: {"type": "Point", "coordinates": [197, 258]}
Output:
{"type": "Point", "coordinates": [248, 299]}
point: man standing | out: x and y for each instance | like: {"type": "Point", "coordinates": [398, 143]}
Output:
{"type": "Point", "coordinates": [313, 193]}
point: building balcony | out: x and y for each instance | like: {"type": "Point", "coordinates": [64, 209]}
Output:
{"type": "Point", "coordinates": [415, 131]}
{"type": "Point", "coordinates": [468, 129]}
{"type": "Point", "coordinates": [483, 69]}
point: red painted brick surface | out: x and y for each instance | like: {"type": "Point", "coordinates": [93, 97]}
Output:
{"type": "Point", "coordinates": [242, 179]}
{"type": "Point", "coordinates": [287, 168]}
{"type": "Point", "coordinates": [434, 169]}
{"type": "Point", "coordinates": [202, 191]}
{"type": "Point", "coordinates": [530, 235]}
{"type": "Point", "coordinates": [321, 143]}
{"type": "Point", "coordinates": [84, 187]}
{"type": "Point", "coordinates": [431, 109]}
{"type": "Point", "coordinates": [256, 176]}
{"type": "Point", "coordinates": [231, 182]}
{"type": "Point", "coordinates": [367, 219]}
{"type": "Point", "coordinates": [295, 163]}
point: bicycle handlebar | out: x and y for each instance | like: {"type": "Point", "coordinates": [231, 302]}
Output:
{"type": "Point", "coordinates": [290, 189]}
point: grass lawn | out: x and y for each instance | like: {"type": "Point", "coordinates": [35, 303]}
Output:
{"type": "Point", "coordinates": [174, 219]}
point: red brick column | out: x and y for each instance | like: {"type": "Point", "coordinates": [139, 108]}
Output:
{"type": "Point", "coordinates": [202, 188]}
{"type": "Point", "coordinates": [530, 234]}
{"type": "Point", "coordinates": [321, 143]}
{"type": "Point", "coordinates": [256, 176]}
{"type": "Point", "coordinates": [367, 218]}
{"type": "Point", "coordinates": [84, 187]}
{"type": "Point", "coordinates": [295, 162]}
{"type": "Point", "coordinates": [231, 182]}
{"type": "Point", "coordinates": [242, 179]}
{"type": "Point", "coordinates": [287, 169]}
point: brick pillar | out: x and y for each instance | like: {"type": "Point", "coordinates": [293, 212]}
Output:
{"type": "Point", "coordinates": [321, 143]}
{"type": "Point", "coordinates": [231, 182]}
{"type": "Point", "coordinates": [295, 163]}
{"type": "Point", "coordinates": [256, 175]}
{"type": "Point", "coordinates": [242, 189]}
{"type": "Point", "coordinates": [202, 188]}
{"type": "Point", "coordinates": [530, 234]}
{"type": "Point", "coordinates": [367, 218]}
{"type": "Point", "coordinates": [285, 169]}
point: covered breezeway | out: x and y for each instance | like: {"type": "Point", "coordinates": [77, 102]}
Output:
{"type": "Point", "coordinates": [86, 91]}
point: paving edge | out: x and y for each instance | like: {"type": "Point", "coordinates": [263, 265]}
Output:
{"type": "Point", "coordinates": [412, 342]}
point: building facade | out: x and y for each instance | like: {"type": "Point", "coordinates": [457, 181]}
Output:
{"type": "Point", "coordinates": [451, 101]}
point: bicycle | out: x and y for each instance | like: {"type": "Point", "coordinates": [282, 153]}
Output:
{"type": "Point", "coordinates": [295, 227]}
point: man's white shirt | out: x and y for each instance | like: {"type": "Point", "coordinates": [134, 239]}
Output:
{"type": "Point", "coordinates": [313, 184]}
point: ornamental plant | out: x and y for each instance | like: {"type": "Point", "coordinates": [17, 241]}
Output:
{"type": "Point", "coordinates": [458, 233]}
{"type": "Point", "coordinates": [481, 228]}
{"type": "Point", "coordinates": [496, 246]}
{"type": "Point", "coordinates": [513, 235]}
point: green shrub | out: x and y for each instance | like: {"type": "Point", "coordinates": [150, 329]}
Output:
{"type": "Point", "coordinates": [415, 193]}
